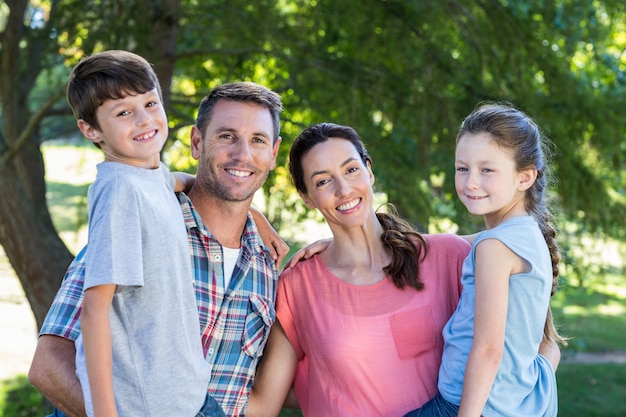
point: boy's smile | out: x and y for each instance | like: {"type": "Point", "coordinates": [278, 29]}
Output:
{"type": "Point", "coordinates": [133, 129]}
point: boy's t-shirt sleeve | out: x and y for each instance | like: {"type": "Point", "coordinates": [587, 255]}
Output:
{"type": "Point", "coordinates": [115, 237]}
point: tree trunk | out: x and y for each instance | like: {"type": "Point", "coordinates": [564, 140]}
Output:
{"type": "Point", "coordinates": [33, 246]}
{"type": "Point", "coordinates": [27, 234]}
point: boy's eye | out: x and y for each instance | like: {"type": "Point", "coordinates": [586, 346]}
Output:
{"type": "Point", "coordinates": [461, 169]}
{"type": "Point", "coordinates": [352, 170]}
{"type": "Point", "coordinates": [321, 182]}
{"type": "Point", "coordinates": [123, 113]}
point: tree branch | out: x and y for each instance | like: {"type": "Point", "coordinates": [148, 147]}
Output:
{"type": "Point", "coordinates": [30, 128]}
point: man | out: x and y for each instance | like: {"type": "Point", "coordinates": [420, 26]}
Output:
{"type": "Point", "coordinates": [235, 140]}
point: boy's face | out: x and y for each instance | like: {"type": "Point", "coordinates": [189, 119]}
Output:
{"type": "Point", "coordinates": [133, 129]}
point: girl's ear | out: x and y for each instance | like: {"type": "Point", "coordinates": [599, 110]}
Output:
{"type": "Point", "coordinates": [88, 131]}
{"type": "Point", "coordinates": [527, 178]}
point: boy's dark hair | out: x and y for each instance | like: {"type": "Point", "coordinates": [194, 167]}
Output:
{"type": "Point", "coordinates": [244, 92]}
{"type": "Point", "coordinates": [107, 75]}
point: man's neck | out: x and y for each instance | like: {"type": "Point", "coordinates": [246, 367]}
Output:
{"type": "Point", "coordinates": [225, 220]}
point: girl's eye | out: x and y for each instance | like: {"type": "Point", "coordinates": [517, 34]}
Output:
{"type": "Point", "coordinates": [151, 104]}
{"type": "Point", "coordinates": [352, 170]}
{"type": "Point", "coordinates": [461, 169]}
{"type": "Point", "coordinates": [487, 170]}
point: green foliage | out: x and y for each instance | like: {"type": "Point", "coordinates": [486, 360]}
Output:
{"type": "Point", "coordinates": [591, 390]}
{"type": "Point", "coordinates": [20, 399]}
{"type": "Point", "coordinates": [403, 73]}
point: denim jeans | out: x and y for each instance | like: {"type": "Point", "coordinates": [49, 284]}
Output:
{"type": "Point", "coordinates": [210, 408]}
{"type": "Point", "coordinates": [436, 407]}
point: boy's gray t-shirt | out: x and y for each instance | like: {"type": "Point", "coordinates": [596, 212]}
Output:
{"type": "Point", "coordinates": [138, 241]}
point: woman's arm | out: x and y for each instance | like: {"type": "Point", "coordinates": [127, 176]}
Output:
{"type": "Point", "coordinates": [96, 331]}
{"type": "Point", "coordinates": [274, 375]}
{"type": "Point", "coordinates": [494, 265]}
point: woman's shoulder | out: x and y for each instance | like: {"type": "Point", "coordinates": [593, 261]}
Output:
{"type": "Point", "coordinates": [302, 269]}
{"type": "Point", "coordinates": [446, 243]}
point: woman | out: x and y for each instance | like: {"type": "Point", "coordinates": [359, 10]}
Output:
{"type": "Point", "coordinates": [359, 325]}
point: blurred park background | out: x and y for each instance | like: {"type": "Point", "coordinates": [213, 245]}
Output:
{"type": "Point", "coordinates": [404, 73]}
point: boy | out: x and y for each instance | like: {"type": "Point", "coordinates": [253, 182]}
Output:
{"type": "Point", "coordinates": [140, 350]}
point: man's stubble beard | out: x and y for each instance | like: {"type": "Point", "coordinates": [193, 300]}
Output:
{"type": "Point", "coordinates": [216, 189]}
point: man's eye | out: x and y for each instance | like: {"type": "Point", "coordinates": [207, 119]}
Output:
{"type": "Point", "coordinates": [259, 140]}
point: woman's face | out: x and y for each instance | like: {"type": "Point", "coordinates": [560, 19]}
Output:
{"type": "Point", "coordinates": [338, 183]}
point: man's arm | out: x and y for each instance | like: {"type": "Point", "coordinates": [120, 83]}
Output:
{"type": "Point", "coordinates": [53, 372]}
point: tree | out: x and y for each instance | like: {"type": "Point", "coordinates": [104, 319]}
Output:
{"type": "Point", "coordinates": [30, 44]}
{"type": "Point", "coordinates": [403, 73]}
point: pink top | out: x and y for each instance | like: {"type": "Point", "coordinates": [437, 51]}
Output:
{"type": "Point", "coordinates": [369, 350]}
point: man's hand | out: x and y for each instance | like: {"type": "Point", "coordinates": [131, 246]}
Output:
{"type": "Point", "coordinates": [318, 246]}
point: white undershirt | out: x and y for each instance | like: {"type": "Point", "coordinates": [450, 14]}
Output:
{"type": "Point", "coordinates": [230, 260]}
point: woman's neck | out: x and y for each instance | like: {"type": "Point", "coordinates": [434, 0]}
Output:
{"type": "Point", "coordinates": [357, 255]}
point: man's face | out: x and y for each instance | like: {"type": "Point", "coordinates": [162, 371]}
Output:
{"type": "Point", "coordinates": [235, 153]}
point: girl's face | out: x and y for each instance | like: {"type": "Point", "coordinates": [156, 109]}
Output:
{"type": "Point", "coordinates": [487, 180]}
{"type": "Point", "coordinates": [338, 183]}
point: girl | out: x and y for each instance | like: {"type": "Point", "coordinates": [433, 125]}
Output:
{"type": "Point", "coordinates": [491, 365]}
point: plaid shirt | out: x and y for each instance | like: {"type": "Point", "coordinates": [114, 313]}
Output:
{"type": "Point", "coordinates": [235, 321]}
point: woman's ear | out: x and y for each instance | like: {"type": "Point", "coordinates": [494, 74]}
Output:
{"type": "Point", "coordinates": [307, 201]}
{"type": "Point", "coordinates": [527, 178]}
{"type": "Point", "coordinates": [371, 173]}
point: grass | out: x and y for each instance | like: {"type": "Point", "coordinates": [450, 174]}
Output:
{"type": "Point", "coordinates": [591, 390]}
{"type": "Point", "coordinates": [593, 316]}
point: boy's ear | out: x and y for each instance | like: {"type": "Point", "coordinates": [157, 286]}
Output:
{"type": "Point", "coordinates": [88, 131]}
{"type": "Point", "coordinates": [527, 178]}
